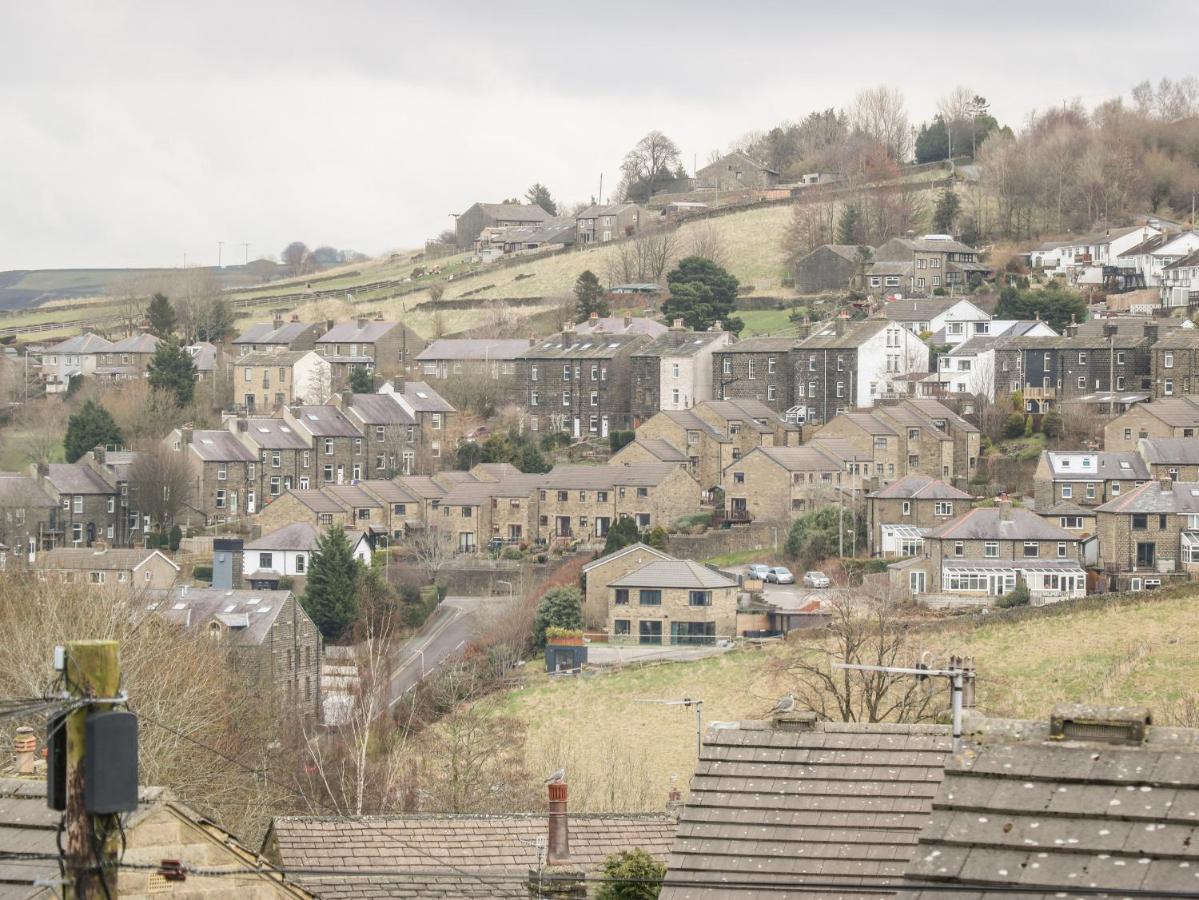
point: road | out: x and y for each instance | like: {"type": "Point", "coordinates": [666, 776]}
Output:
{"type": "Point", "coordinates": [443, 637]}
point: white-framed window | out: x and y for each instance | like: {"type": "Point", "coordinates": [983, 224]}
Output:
{"type": "Point", "coordinates": [907, 507]}
{"type": "Point", "coordinates": [532, 373]}
{"type": "Point", "coordinates": [770, 392]}
{"type": "Point", "coordinates": [944, 508]}
{"type": "Point", "coordinates": [1067, 491]}
{"type": "Point", "coordinates": [1167, 359]}
{"type": "Point", "coordinates": [1082, 382]}
{"type": "Point", "coordinates": [1168, 387]}
{"type": "Point", "coordinates": [328, 446]}
{"type": "Point", "coordinates": [566, 398]}
{"type": "Point", "coordinates": [77, 505]}
{"type": "Point", "coordinates": [533, 399]}
{"type": "Point", "coordinates": [220, 499]}
{"type": "Point", "coordinates": [991, 549]}
{"type": "Point", "coordinates": [1032, 549]}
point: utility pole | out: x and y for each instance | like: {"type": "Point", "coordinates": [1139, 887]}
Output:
{"type": "Point", "coordinates": [246, 246]}
{"type": "Point", "coordinates": [219, 245]}
{"type": "Point", "coordinates": [92, 669]}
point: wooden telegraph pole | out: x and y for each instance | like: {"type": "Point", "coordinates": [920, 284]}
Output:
{"type": "Point", "coordinates": [92, 670]}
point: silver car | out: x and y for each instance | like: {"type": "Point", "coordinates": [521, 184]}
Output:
{"type": "Point", "coordinates": [757, 570]}
{"type": "Point", "coordinates": [816, 580]}
{"type": "Point", "coordinates": [779, 575]}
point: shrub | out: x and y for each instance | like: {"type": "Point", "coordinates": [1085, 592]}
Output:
{"type": "Point", "coordinates": [619, 438]}
{"type": "Point", "coordinates": [202, 573]}
{"type": "Point", "coordinates": [286, 583]}
{"type": "Point", "coordinates": [1028, 426]}
{"type": "Point", "coordinates": [813, 537]}
{"type": "Point", "coordinates": [632, 875]}
{"type": "Point", "coordinates": [1013, 426]}
{"type": "Point", "coordinates": [555, 633]}
{"type": "Point", "coordinates": [511, 553]}
{"type": "Point", "coordinates": [1017, 596]}
{"type": "Point", "coordinates": [561, 607]}
{"type": "Point", "coordinates": [176, 537]}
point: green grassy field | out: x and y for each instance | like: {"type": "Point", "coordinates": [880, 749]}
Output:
{"type": "Point", "coordinates": [766, 321]}
{"type": "Point", "coordinates": [629, 753]}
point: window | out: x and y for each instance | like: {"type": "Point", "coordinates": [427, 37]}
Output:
{"type": "Point", "coordinates": [1128, 434]}
{"type": "Point", "coordinates": [275, 485]}
{"type": "Point", "coordinates": [1082, 358]}
{"type": "Point", "coordinates": [328, 446]}
{"type": "Point", "coordinates": [620, 627]}
{"type": "Point", "coordinates": [533, 398]}
{"type": "Point", "coordinates": [1140, 521]}
{"type": "Point", "coordinates": [220, 499]}
{"type": "Point", "coordinates": [1082, 383]}
{"type": "Point", "coordinates": [959, 548]}
{"type": "Point", "coordinates": [1168, 387]}
{"type": "Point", "coordinates": [1067, 491]}
{"type": "Point", "coordinates": [1167, 360]}
{"type": "Point", "coordinates": [595, 398]}
{"type": "Point", "coordinates": [1070, 522]}
{"type": "Point", "coordinates": [750, 369]}
{"type": "Point", "coordinates": [771, 394]}
{"type": "Point", "coordinates": [701, 598]}
{"type": "Point", "coordinates": [648, 597]}
{"type": "Point", "coordinates": [907, 507]}
{"type": "Point", "coordinates": [222, 474]}
{"type": "Point", "coordinates": [305, 459]}
{"type": "Point", "coordinates": [650, 632]}
{"type": "Point", "coordinates": [1032, 549]}
{"type": "Point", "coordinates": [622, 596]}
{"type": "Point", "coordinates": [1120, 382]}
{"type": "Point", "coordinates": [726, 366]}
{"type": "Point", "coordinates": [738, 478]}
{"type": "Point", "coordinates": [532, 373]}
{"type": "Point", "coordinates": [566, 372]}
{"type": "Point", "coordinates": [327, 473]}
{"type": "Point", "coordinates": [1061, 550]}
{"type": "Point", "coordinates": [566, 398]}
{"type": "Point", "coordinates": [436, 421]}
{"type": "Point", "coordinates": [266, 560]}
{"type": "Point", "coordinates": [112, 505]}
{"type": "Point", "coordinates": [991, 549]}
{"type": "Point", "coordinates": [944, 508]}
{"type": "Point", "coordinates": [642, 492]}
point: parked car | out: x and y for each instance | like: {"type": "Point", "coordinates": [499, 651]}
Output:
{"type": "Point", "coordinates": [757, 570]}
{"type": "Point", "coordinates": [779, 575]}
{"type": "Point", "coordinates": [816, 580]}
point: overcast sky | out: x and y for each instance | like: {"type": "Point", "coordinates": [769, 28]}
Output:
{"type": "Point", "coordinates": [132, 133]}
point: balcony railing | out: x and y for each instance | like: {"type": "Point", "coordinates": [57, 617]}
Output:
{"type": "Point", "coordinates": [731, 517]}
{"type": "Point", "coordinates": [1040, 393]}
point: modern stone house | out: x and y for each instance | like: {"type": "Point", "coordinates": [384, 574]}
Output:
{"type": "Point", "coordinates": [265, 380]}
{"type": "Point", "coordinates": [845, 364]}
{"type": "Point", "coordinates": [675, 602]}
{"type": "Point", "coordinates": [384, 348]}
{"type": "Point", "coordinates": [674, 371]}
{"type": "Point", "coordinates": [470, 224]}
{"type": "Point", "coordinates": [899, 515]}
{"type": "Point", "coordinates": [598, 224]}
{"type": "Point", "coordinates": [285, 457]}
{"type": "Point", "coordinates": [272, 640]}
{"type": "Point", "coordinates": [1149, 534]}
{"type": "Point", "coordinates": [277, 335]}
{"type": "Point", "coordinates": [830, 267]}
{"type": "Point", "coordinates": [1169, 417]}
{"type": "Point", "coordinates": [1088, 478]}
{"type": "Point", "coordinates": [777, 484]}
{"type": "Point", "coordinates": [599, 573]}
{"type": "Point", "coordinates": [978, 557]}
{"type": "Point", "coordinates": [436, 423]}
{"type": "Point", "coordinates": [735, 171]}
{"type": "Point", "coordinates": [138, 569]}
{"type": "Point", "coordinates": [759, 368]}
{"type": "Point", "coordinates": [127, 359]}
{"type": "Point", "coordinates": [579, 383]}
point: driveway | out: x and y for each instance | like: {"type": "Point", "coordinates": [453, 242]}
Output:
{"type": "Point", "coordinates": [600, 655]}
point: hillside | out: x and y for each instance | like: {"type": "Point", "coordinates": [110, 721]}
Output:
{"type": "Point", "coordinates": [1144, 652]}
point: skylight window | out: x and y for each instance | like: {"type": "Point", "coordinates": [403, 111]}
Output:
{"type": "Point", "coordinates": [230, 607]}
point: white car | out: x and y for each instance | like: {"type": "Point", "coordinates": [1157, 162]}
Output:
{"type": "Point", "coordinates": [779, 575]}
{"type": "Point", "coordinates": [816, 580]}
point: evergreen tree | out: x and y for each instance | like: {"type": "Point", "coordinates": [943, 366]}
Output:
{"type": "Point", "coordinates": [172, 368]}
{"type": "Point", "coordinates": [631, 875]}
{"type": "Point", "coordinates": [361, 380]}
{"type": "Point", "coordinates": [848, 225]}
{"type": "Point", "coordinates": [1055, 305]}
{"type": "Point", "coordinates": [622, 533]}
{"type": "Point", "coordinates": [948, 207]}
{"type": "Point", "coordinates": [161, 315]}
{"type": "Point", "coordinates": [932, 143]}
{"type": "Point", "coordinates": [92, 426]}
{"type": "Point", "coordinates": [539, 195]}
{"type": "Point", "coordinates": [331, 596]}
{"type": "Point", "coordinates": [589, 297]}
{"type": "Point", "coordinates": [702, 293]}
{"type": "Point", "coordinates": [561, 607]}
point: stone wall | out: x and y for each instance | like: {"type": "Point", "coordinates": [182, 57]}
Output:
{"type": "Point", "coordinates": [717, 542]}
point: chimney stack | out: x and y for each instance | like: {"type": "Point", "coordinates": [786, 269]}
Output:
{"type": "Point", "coordinates": [1005, 509]}
{"type": "Point", "coordinates": [1167, 485]}
{"type": "Point", "coordinates": [558, 849]}
{"type": "Point", "coordinates": [278, 322]}
{"type": "Point", "coordinates": [568, 336]}
{"type": "Point", "coordinates": [1150, 333]}
{"type": "Point", "coordinates": [185, 434]}
{"type": "Point", "coordinates": [674, 803]}
{"type": "Point", "coordinates": [593, 318]}
{"type": "Point", "coordinates": [329, 323]}
{"type": "Point", "coordinates": [362, 320]}
{"type": "Point", "coordinates": [24, 749]}
{"type": "Point", "coordinates": [1109, 329]}
{"type": "Point", "coordinates": [677, 325]}
{"type": "Point", "coordinates": [295, 318]}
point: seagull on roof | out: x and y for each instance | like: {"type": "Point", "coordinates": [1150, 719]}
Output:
{"type": "Point", "coordinates": [557, 778]}
{"type": "Point", "coordinates": [785, 704]}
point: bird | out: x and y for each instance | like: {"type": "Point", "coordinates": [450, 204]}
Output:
{"type": "Point", "coordinates": [785, 704]}
{"type": "Point", "coordinates": [557, 778]}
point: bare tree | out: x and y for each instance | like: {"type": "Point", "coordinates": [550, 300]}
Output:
{"type": "Point", "coordinates": [40, 429]}
{"type": "Point", "coordinates": [644, 258]}
{"type": "Point", "coordinates": [141, 412]}
{"type": "Point", "coordinates": [652, 157]}
{"type": "Point", "coordinates": [705, 240]}
{"type": "Point", "coordinates": [433, 549]}
{"type": "Point", "coordinates": [880, 114]}
{"type": "Point", "coordinates": [811, 225]}
{"type": "Point", "coordinates": [866, 631]}
{"type": "Point", "coordinates": [298, 258]}
{"type": "Point", "coordinates": [160, 484]}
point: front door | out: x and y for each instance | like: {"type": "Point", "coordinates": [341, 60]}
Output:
{"type": "Point", "coordinates": [341, 473]}
{"type": "Point", "coordinates": [563, 527]}
{"type": "Point", "coordinates": [603, 426]}
{"type": "Point", "coordinates": [249, 403]}
{"type": "Point", "coordinates": [577, 428]}
{"type": "Point", "coordinates": [250, 503]}
{"type": "Point", "coordinates": [233, 503]}
{"type": "Point", "coordinates": [601, 526]}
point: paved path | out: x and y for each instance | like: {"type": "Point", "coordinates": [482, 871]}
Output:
{"type": "Point", "coordinates": [598, 655]}
{"type": "Point", "coordinates": [443, 637]}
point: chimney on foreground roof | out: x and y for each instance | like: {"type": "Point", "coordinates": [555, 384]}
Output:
{"type": "Point", "coordinates": [558, 849]}
{"type": "Point", "coordinates": [560, 878]}
{"type": "Point", "coordinates": [362, 320]}
{"type": "Point", "coordinates": [1005, 509]}
{"type": "Point", "coordinates": [278, 320]}
{"type": "Point", "coordinates": [1167, 485]}
{"type": "Point", "coordinates": [24, 749]}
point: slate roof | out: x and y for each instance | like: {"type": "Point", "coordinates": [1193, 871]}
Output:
{"type": "Point", "coordinates": [845, 251]}
{"type": "Point", "coordinates": [352, 495]}
{"type": "Point", "coordinates": [753, 413]}
{"type": "Point", "coordinates": [1182, 498]}
{"type": "Point", "coordinates": [674, 573]}
{"type": "Point", "coordinates": [352, 332]}
{"type": "Point", "coordinates": [1163, 451]}
{"type": "Point", "coordinates": [761, 345]}
{"type": "Point", "coordinates": [474, 493]}
{"type": "Point", "coordinates": [472, 349]}
{"type": "Point", "coordinates": [595, 210]}
{"type": "Point", "coordinates": [585, 346]}
{"type": "Point", "coordinates": [515, 212]}
{"type": "Point", "coordinates": [317, 500]}
{"type": "Point", "coordinates": [296, 536]}
{"type": "Point", "coordinates": [203, 356]}
{"type": "Point", "coordinates": [476, 844]}
{"type": "Point", "coordinates": [22, 490]}
{"type": "Point", "coordinates": [389, 491]}
{"type": "Point", "coordinates": [621, 325]}
{"type": "Point", "coordinates": [920, 487]}
{"type": "Point", "coordinates": [109, 560]}
{"type": "Point", "coordinates": [249, 614]}
{"type": "Point", "coordinates": [272, 358]}
{"type": "Point", "coordinates": [688, 420]}
{"type": "Point", "coordinates": [675, 343]}
{"type": "Point", "coordinates": [1186, 262]}
{"type": "Point", "coordinates": [137, 343]}
{"type": "Point", "coordinates": [274, 434]}
{"type": "Point", "coordinates": [421, 486]}
{"type": "Point", "coordinates": [840, 804]}
{"type": "Point", "coordinates": [984, 523]}
{"type": "Point", "coordinates": [81, 344]}
{"type": "Point", "coordinates": [1067, 508]}
{"type": "Point", "coordinates": [935, 409]}
{"type": "Point", "coordinates": [1108, 465]}
{"type": "Point", "coordinates": [601, 478]}
{"type": "Point", "coordinates": [853, 334]}
{"type": "Point", "coordinates": [628, 548]}
{"type": "Point", "coordinates": [76, 478]}
{"type": "Point", "coordinates": [379, 409]}
{"type": "Point", "coordinates": [1020, 810]}
{"type": "Point", "coordinates": [267, 333]}
{"type": "Point", "coordinates": [795, 459]}
{"type": "Point", "coordinates": [326, 421]}
{"type": "Point", "coordinates": [918, 310]}
{"type": "Point", "coordinates": [1178, 339]}
{"type": "Point", "coordinates": [423, 398]}
{"type": "Point", "coordinates": [663, 450]}
{"type": "Point", "coordinates": [1177, 412]}
{"type": "Point", "coordinates": [221, 446]}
